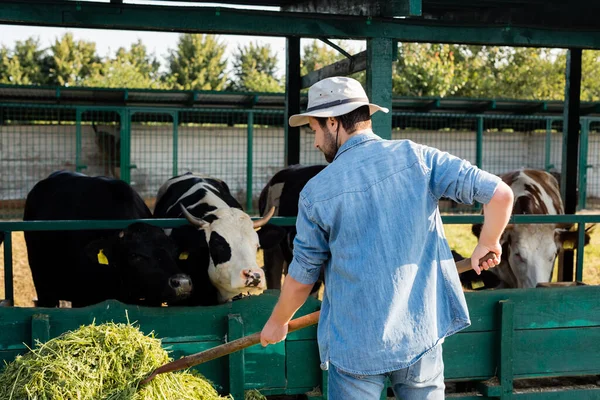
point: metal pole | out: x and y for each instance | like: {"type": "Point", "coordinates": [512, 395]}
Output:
{"type": "Point", "coordinates": [548, 146]}
{"type": "Point", "coordinates": [8, 268]}
{"type": "Point", "coordinates": [583, 156]}
{"type": "Point", "coordinates": [250, 161]}
{"type": "Point", "coordinates": [292, 101]}
{"type": "Point", "coordinates": [570, 151]}
{"type": "Point", "coordinates": [175, 117]}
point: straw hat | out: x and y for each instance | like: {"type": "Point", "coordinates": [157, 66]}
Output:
{"type": "Point", "coordinates": [333, 97]}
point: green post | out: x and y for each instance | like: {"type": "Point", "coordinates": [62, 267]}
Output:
{"type": "Point", "coordinates": [583, 156]}
{"type": "Point", "coordinates": [175, 116]}
{"type": "Point", "coordinates": [249, 162]}
{"type": "Point", "coordinates": [580, 244]}
{"type": "Point", "coordinates": [236, 360]}
{"type": "Point", "coordinates": [479, 144]}
{"type": "Point", "coordinates": [548, 146]}
{"type": "Point", "coordinates": [507, 311]}
{"type": "Point", "coordinates": [380, 54]}
{"type": "Point", "coordinates": [78, 166]}
{"type": "Point", "coordinates": [8, 268]}
{"type": "Point", "coordinates": [125, 116]}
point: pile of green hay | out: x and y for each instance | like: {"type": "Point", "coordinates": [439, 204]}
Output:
{"type": "Point", "coordinates": [104, 361]}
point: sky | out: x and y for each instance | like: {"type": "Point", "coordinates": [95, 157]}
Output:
{"type": "Point", "coordinates": [157, 43]}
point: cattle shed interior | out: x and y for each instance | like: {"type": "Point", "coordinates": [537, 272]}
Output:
{"type": "Point", "coordinates": [517, 335]}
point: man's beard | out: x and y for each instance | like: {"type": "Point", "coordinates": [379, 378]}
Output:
{"type": "Point", "coordinates": [330, 147]}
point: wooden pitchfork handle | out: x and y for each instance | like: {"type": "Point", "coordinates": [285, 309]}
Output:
{"type": "Point", "coordinates": [251, 340]}
{"type": "Point", "coordinates": [228, 348]}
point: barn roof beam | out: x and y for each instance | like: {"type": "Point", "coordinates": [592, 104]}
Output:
{"type": "Point", "coordinates": [344, 67]}
{"type": "Point", "coordinates": [272, 23]}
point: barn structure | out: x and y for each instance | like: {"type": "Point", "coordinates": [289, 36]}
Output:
{"type": "Point", "coordinates": [516, 335]}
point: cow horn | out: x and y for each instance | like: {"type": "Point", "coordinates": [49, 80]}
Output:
{"type": "Point", "coordinates": [260, 222]}
{"type": "Point", "coordinates": [198, 222]}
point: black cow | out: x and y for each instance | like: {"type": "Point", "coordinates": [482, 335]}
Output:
{"type": "Point", "coordinates": [283, 192]}
{"type": "Point", "coordinates": [136, 265]}
{"type": "Point", "coordinates": [219, 250]}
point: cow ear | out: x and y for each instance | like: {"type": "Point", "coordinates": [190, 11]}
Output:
{"type": "Point", "coordinates": [99, 252]}
{"type": "Point", "coordinates": [270, 236]}
{"type": "Point", "coordinates": [569, 240]}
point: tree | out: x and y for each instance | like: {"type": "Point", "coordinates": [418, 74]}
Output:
{"type": "Point", "coordinates": [72, 61]}
{"type": "Point", "coordinates": [24, 65]}
{"type": "Point", "coordinates": [131, 69]}
{"type": "Point", "coordinates": [318, 56]}
{"type": "Point", "coordinates": [254, 69]}
{"type": "Point", "coordinates": [426, 70]}
{"type": "Point", "coordinates": [197, 63]}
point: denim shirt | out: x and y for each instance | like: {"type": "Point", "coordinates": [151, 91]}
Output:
{"type": "Point", "coordinates": [371, 220]}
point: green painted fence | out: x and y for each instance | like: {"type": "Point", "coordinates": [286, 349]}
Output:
{"type": "Point", "coordinates": [244, 146]}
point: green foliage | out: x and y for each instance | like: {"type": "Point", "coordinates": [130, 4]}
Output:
{"type": "Point", "coordinates": [71, 61]}
{"type": "Point", "coordinates": [24, 65]}
{"type": "Point", "coordinates": [254, 68]}
{"type": "Point", "coordinates": [132, 69]}
{"type": "Point", "coordinates": [197, 63]}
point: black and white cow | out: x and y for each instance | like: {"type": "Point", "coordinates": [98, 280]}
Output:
{"type": "Point", "coordinates": [529, 250]}
{"type": "Point", "coordinates": [283, 192]}
{"type": "Point", "coordinates": [135, 265]}
{"type": "Point", "coordinates": [219, 248]}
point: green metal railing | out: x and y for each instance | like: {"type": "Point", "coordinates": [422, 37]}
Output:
{"type": "Point", "coordinates": [8, 227]}
{"type": "Point", "coordinates": [145, 146]}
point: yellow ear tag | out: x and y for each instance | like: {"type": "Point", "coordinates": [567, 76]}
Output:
{"type": "Point", "coordinates": [257, 229]}
{"type": "Point", "coordinates": [102, 258]}
{"type": "Point", "coordinates": [568, 245]}
{"type": "Point", "coordinates": [184, 255]}
{"type": "Point", "coordinates": [477, 284]}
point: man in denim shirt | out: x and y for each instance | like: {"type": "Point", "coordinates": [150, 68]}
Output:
{"type": "Point", "coordinates": [371, 220]}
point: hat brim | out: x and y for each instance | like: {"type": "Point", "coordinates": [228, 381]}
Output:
{"type": "Point", "coordinates": [335, 111]}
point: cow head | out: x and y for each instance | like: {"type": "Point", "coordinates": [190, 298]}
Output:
{"type": "Point", "coordinates": [143, 258]}
{"type": "Point", "coordinates": [529, 253]}
{"type": "Point", "coordinates": [232, 242]}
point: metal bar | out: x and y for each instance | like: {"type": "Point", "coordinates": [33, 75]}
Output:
{"type": "Point", "coordinates": [335, 46]}
{"type": "Point", "coordinates": [580, 250]}
{"type": "Point", "coordinates": [175, 116]}
{"type": "Point", "coordinates": [125, 115]}
{"type": "Point", "coordinates": [582, 168]}
{"type": "Point", "coordinates": [292, 101]}
{"type": "Point", "coordinates": [174, 222]}
{"type": "Point", "coordinates": [570, 151]}
{"type": "Point", "coordinates": [479, 143]}
{"type": "Point", "coordinates": [379, 83]}
{"type": "Point", "coordinates": [507, 309]}
{"type": "Point", "coordinates": [78, 166]}
{"type": "Point", "coordinates": [250, 161]}
{"type": "Point", "coordinates": [222, 20]}
{"type": "Point", "coordinates": [8, 268]}
{"type": "Point", "coordinates": [548, 146]}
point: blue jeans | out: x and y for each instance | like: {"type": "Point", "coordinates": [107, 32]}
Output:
{"type": "Point", "coordinates": [423, 380]}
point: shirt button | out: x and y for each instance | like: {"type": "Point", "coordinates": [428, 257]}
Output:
{"type": "Point", "coordinates": [324, 366]}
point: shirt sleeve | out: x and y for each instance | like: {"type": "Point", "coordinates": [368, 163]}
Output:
{"type": "Point", "coordinates": [457, 179]}
{"type": "Point", "coordinates": [311, 247]}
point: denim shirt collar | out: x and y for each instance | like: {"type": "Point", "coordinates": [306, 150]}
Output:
{"type": "Point", "coordinates": [356, 139]}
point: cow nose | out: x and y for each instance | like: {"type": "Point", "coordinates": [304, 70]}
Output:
{"type": "Point", "coordinates": [252, 278]}
{"type": "Point", "coordinates": [181, 283]}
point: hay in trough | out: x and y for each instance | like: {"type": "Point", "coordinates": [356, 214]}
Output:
{"type": "Point", "coordinates": [104, 361]}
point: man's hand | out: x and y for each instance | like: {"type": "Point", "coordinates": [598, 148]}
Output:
{"type": "Point", "coordinates": [273, 332]}
{"type": "Point", "coordinates": [480, 251]}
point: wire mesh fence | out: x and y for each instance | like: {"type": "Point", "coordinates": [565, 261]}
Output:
{"type": "Point", "coordinates": [246, 147]}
